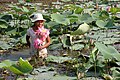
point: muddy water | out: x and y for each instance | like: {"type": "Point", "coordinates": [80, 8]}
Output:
{"type": "Point", "coordinates": [15, 55]}
{"type": "Point", "coordinates": [42, 72]}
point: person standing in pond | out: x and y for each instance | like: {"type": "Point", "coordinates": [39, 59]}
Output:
{"type": "Point", "coordinates": [37, 36]}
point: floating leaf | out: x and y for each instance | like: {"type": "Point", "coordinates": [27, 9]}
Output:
{"type": "Point", "coordinates": [55, 46]}
{"type": "Point", "coordinates": [57, 59]}
{"type": "Point", "coordinates": [4, 45]}
{"type": "Point", "coordinates": [63, 77]}
{"type": "Point", "coordinates": [101, 23]}
{"type": "Point", "coordinates": [77, 46]}
{"type": "Point", "coordinates": [6, 63]}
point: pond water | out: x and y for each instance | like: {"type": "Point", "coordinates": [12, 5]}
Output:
{"type": "Point", "coordinates": [50, 71]}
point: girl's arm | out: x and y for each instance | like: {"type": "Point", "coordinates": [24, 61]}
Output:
{"type": "Point", "coordinates": [27, 40]}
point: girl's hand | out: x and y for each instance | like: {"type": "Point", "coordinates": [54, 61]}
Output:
{"type": "Point", "coordinates": [40, 47]}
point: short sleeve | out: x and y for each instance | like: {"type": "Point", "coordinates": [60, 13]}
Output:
{"type": "Point", "coordinates": [28, 32]}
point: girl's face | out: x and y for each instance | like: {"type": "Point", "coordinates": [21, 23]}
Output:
{"type": "Point", "coordinates": [39, 23]}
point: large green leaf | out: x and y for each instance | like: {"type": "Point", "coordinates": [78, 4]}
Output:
{"type": "Point", "coordinates": [117, 56]}
{"type": "Point", "coordinates": [7, 17]}
{"type": "Point", "coordinates": [24, 9]}
{"type": "Point", "coordinates": [25, 66]}
{"type": "Point", "coordinates": [21, 1]}
{"type": "Point", "coordinates": [51, 24]}
{"type": "Point", "coordinates": [85, 18]}
{"type": "Point", "coordinates": [16, 8]}
{"type": "Point", "coordinates": [6, 63]}
{"type": "Point", "coordinates": [73, 18]}
{"type": "Point", "coordinates": [93, 54]}
{"type": "Point", "coordinates": [116, 73]}
{"type": "Point", "coordinates": [3, 24]}
{"type": "Point", "coordinates": [83, 28]}
{"type": "Point", "coordinates": [118, 63]}
{"type": "Point", "coordinates": [57, 59]}
{"type": "Point", "coordinates": [55, 46]}
{"type": "Point", "coordinates": [65, 0]}
{"type": "Point", "coordinates": [2, 65]}
{"type": "Point", "coordinates": [78, 10]}
{"type": "Point", "coordinates": [60, 19]}
{"type": "Point", "coordinates": [101, 23]}
{"type": "Point", "coordinates": [112, 50]}
{"type": "Point", "coordinates": [88, 10]}
{"type": "Point", "coordinates": [66, 13]}
{"type": "Point", "coordinates": [108, 40]}
{"type": "Point", "coordinates": [95, 15]}
{"type": "Point", "coordinates": [114, 10]}
{"type": "Point", "coordinates": [65, 40]}
{"type": "Point", "coordinates": [110, 23]}
{"type": "Point", "coordinates": [109, 52]}
{"type": "Point", "coordinates": [63, 77]}
{"type": "Point", "coordinates": [15, 70]}
{"type": "Point", "coordinates": [23, 17]}
{"type": "Point", "coordinates": [104, 15]}
{"type": "Point", "coordinates": [118, 14]}
{"type": "Point", "coordinates": [77, 46]}
{"type": "Point", "coordinates": [4, 45]}
{"type": "Point", "coordinates": [104, 50]}
{"type": "Point", "coordinates": [11, 31]}
{"type": "Point", "coordinates": [22, 67]}
{"type": "Point", "coordinates": [23, 39]}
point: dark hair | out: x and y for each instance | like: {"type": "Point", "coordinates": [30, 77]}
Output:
{"type": "Point", "coordinates": [32, 16]}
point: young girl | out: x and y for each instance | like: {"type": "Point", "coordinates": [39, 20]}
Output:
{"type": "Point", "coordinates": [37, 36]}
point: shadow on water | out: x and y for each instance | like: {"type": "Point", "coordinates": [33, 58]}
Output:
{"type": "Point", "coordinates": [15, 55]}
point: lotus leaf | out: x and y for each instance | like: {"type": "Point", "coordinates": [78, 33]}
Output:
{"type": "Point", "coordinates": [101, 23]}
{"type": "Point", "coordinates": [108, 52]}
{"type": "Point", "coordinates": [6, 63]}
{"type": "Point", "coordinates": [57, 59]}
{"type": "Point", "coordinates": [60, 19]}
{"type": "Point", "coordinates": [3, 24]}
{"type": "Point", "coordinates": [4, 45]}
{"type": "Point", "coordinates": [83, 28]}
{"type": "Point", "coordinates": [22, 67]}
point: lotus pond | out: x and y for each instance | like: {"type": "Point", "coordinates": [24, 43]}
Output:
{"type": "Point", "coordinates": [85, 41]}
